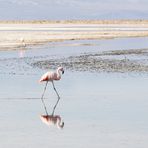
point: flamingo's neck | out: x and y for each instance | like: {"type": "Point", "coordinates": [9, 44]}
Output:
{"type": "Point", "coordinates": [58, 74]}
{"type": "Point", "coordinates": [60, 124]}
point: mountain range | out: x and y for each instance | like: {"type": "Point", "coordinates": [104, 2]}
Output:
{"type": "Point", "coordinates": [73, 9]}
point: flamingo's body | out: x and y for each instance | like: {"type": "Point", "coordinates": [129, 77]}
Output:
{"type": "Point", "coordinates": [51, 76]}
{"type": "Point", "coordinates": [52, 120]}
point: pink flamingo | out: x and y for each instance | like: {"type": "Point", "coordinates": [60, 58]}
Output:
{"type": "Point", "coordinates": [51, 76]}
{"type": "Point", "coordinates": [52, 120]}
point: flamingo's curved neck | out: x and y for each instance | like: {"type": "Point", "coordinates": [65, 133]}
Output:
{"type": "Point", "coordinates": [60, 124]}
{"type": "Point", "coordinates": [58, 73]}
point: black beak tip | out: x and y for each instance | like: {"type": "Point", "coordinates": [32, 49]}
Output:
{"type": "Point", "coordinates": [63, 72]}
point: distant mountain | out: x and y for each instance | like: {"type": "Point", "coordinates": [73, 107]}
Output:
{"type": "Point", "coordinates": [73, 9]}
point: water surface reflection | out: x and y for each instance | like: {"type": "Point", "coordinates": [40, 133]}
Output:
{"type": "Point", "coordinates": [101, 110]}
{"type": "Point", "coordinates": [52, 120]}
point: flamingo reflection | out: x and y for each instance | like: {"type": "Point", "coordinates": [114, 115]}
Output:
{"type": "Point", "coordinates": [22, 53]}
{"type": "Point", "coordinates": [52, 120]}
{"type": "Point", "coordinates": [23, 46]}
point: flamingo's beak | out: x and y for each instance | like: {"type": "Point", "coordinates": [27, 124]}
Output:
{"type": "Point", "coordinates": [63, 72]}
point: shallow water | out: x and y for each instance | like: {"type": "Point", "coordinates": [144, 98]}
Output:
{"type": "Point", "coordinates": [104, 110]}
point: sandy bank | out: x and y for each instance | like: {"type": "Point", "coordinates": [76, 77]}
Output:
{"type": "Point", "coordinates": [17, 34]}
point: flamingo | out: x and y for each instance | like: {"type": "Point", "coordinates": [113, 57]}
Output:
{"type": "Point", "coordinates": [52, 120]}
{"type": "Point", "coordinates": [23, 42]}
{"type": "Point", "coordinates": [51, 76]}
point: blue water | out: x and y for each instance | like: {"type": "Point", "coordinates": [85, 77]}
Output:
{"type": "Point", "coordinates": [104, 110]}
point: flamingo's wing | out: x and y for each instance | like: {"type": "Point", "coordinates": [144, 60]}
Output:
{"type": "Point", "coordinates": [44, 77]}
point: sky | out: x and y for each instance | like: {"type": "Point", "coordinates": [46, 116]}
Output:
{"type": "Point", "coordinates": [73, 9]}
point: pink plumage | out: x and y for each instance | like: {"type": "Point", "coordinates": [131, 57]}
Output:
{"type": "Point", "coordinates": [52, 120]}
{"type": "Point", "coordinates": [50, 75]}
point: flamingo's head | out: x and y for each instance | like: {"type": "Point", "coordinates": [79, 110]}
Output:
{"type": "Point", "coordinates": [61, 69]}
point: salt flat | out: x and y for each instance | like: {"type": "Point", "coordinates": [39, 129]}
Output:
{"type": "Point", "coordinates": [12, 33]}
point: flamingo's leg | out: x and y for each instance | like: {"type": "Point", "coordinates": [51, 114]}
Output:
{"type": "Point", "coordinates": [43, 99]}
{"type": "Point", "coordinates": [57, 100]}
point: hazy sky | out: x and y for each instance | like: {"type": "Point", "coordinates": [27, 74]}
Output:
{"type": "Point", "coordinates": [73, 9]}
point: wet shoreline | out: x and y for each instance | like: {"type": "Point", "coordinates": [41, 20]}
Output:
{"type": "Point", "coordinates": [101, 62]}
{"type": "Point", "coordinates": [112, 60]}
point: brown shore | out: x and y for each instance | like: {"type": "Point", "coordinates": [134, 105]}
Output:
{"type": "Point", "coordinates": [15, 34]}
{"type": "Point", "coordinates": [124, 21]}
